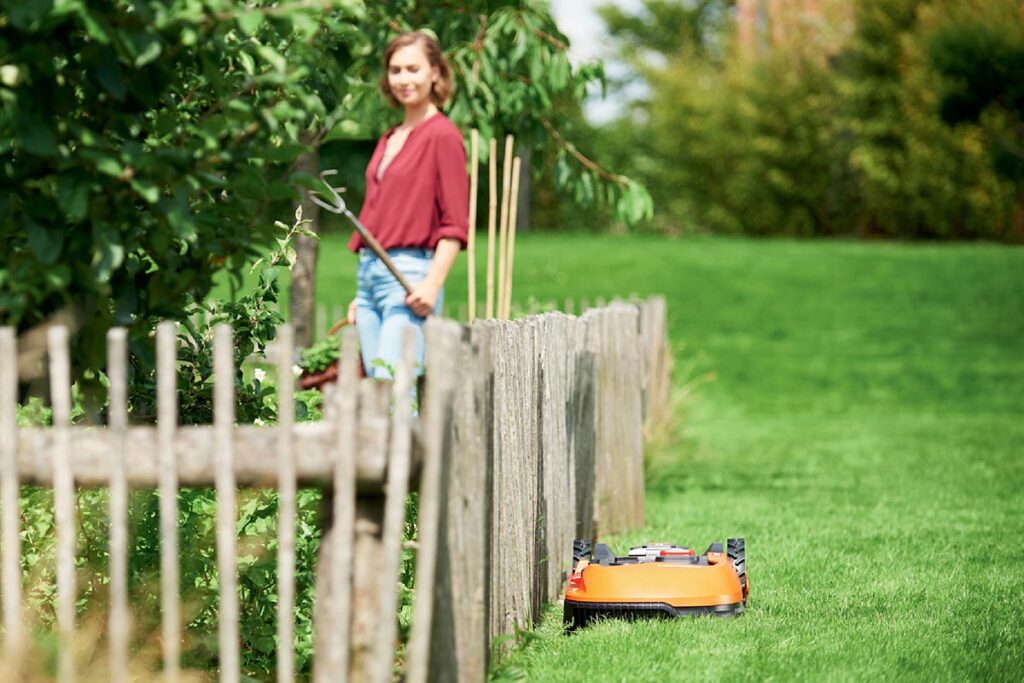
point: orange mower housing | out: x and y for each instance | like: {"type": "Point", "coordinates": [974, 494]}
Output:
{"type": "Point", "coordinates": [655, 581]}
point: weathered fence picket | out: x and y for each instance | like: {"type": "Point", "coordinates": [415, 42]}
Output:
{"type": "Point", "coordinates": [530, 433]}
{"type": "Point", "coordinates": [63, 500]}
{"type": "Point", "coordinates": [227, 506]}
{"type": "Point", "coordinates": [399, 458]}
{"type": "Point", "coordinates": [117, 375]}
{"type": "Point", "coordinates": [167, 419]}
{"type": "Point", "coordinates": [287, 514]}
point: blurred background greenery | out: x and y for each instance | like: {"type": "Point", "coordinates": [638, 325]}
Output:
{"type": "Point", "coordinates": [872, 118]}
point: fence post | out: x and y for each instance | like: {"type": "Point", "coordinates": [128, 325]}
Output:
{"type": "Point", "coordinates": [557, 512]}
{"type": "Point", "coordinates": [658, 362]}
{"type": "Point", "coordinates": [117, 373]}
{"type": "Point", "coordinates": [514, 520]}
{"type": "Point", "coordinates": [64, 500]}
{"type": "Point", "coordinates": [11, 561]}
{"type": "Point", "coordinates": [459, 628]}
{"type": "Point", "coordinates": [337, 644]}
{"type": "Point", "coordinates": [613, 337]}
{"type": "Point", "coordinates": [443, 343]}
{"type": "Point", "coordinates": [367, 544]}
{"type": "Point", "coordinates": [396, 488]}
{"type": "Point", "coordinates": [227, 513]}
{"type": "Point", "coordinates": [167, 418]}
{"type": "Point", "coordinates": [286, 487]}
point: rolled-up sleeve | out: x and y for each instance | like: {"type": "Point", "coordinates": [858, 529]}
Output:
{"type": "Point", "coordinates": [452, 190]}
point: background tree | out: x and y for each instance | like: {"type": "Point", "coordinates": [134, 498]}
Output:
{"type": "Point", "coordinates": [831, 127]}
{"type": "Point", "coordinates": [979, 53]}
{"type": "Point", "coordinates": [146, 146]}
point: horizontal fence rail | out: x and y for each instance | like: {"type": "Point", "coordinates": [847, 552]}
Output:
{"type": "Point", "coordinates": [529, 434]}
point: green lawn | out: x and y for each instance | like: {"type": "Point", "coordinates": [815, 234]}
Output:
{"type": "Point", "coordinates": [865, 433]}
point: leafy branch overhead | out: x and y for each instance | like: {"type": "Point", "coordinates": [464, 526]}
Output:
{"type": "Point", "coordinates": [148, 146]}
{"type": "Point", "coordinates": [513, 75]}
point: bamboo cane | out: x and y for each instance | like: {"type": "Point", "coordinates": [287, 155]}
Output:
{"type": "Point", "coordinates": [492, 168]}
{"type": "Point", "coordinates": [474, 178]}
{"type": "Point", "coordinates": [513, 212]}
{"type": "Point", "coordinates": [506, 180]}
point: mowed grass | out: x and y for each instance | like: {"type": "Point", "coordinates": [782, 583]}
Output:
{"type": "Point", "coordinates": [864, 432]}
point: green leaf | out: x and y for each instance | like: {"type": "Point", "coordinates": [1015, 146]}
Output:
{"type": "Point", "coordinates": [109, 74]}
{"type": "Point", "coordinates": [109, 165]}
{"type": "Point", "coordinates": [248, 65]}
{"type": "Point", "coordinates": [96, 30]}
{"type": "Point", "coordinates": [108, 252]}
{"type": "Point", "coordinates": [149, 48]}
{"type": "Point", "coordinates": [272, 57]}
{"type": "Point", "coordinates": [24, 14]}
{"type": "Point", "coordinates": [45, 241]}
{"type": "Point", "coordinates": [348, 129]}
{"type": "Point", "coordinates": [58, 276]}
{"type": "Point", "coordinates": [36, 136]}
{"type": "Point", "coordinates": [73, 197]}
{"type": "Point", "coordinates": [250, 21]}
{"type": "Point", "coordinates": [147, 190]}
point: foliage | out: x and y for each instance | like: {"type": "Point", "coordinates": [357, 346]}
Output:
{"type": "Point", "coordinates": [253, 318]}
{"type": "Point", "coordinates": [144, 144]}
{"type": "Point", "coordinates": [979, 52]}
{"type": "Point", "coordinates": [320, 355]}
{"type": "Point", "coordinates": [804, 142]}
{"type": "Point", "coordinates": [750, 145]}
{"type": "Point", "coordinates": [662, 29]}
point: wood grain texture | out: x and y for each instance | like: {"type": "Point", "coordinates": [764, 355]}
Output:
{"type": "Point", "coordinates": [167, 475]}
{"type": "Point", "coordinates": [227, 512]}
{"type": "Point", "coordinates": [286, 497]}
{"type": "Point", "coordinates": [397, 487]}
{"type": "Point", "coordinates": [119, 625]}
{"type": "Point", "coordinates": [10, 490]}
{"type": "Point", "coordinates": [368, 544]}
{"type": "Point", "coordinates": [334, 575]}
{"type": "Point", "coordinates": [613, 337]}
{"type": "Point", "coordinates": [442, 341]}
{"type": "Point", "coordinates": [63, 500]}
{"type": "Point", "coordinates": [194, 451]}
{"type": "Point", "coordinates": [459, 628]}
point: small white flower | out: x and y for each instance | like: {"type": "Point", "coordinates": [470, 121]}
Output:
{"type": "Point", "coordinates": [258, 422]}
{"type": "Point", "coordinates": [260, 374]}
{"type": "Point", "coordinates": [296, 370]}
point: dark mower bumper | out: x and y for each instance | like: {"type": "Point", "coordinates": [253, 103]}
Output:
{"type": "Point", "coordinates": [579, 614]}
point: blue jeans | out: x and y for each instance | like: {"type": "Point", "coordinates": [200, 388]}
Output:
{"type": "Point", "coordinates": [381, 313]}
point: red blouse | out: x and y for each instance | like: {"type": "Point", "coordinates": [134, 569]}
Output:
{"type": "Point", "coordinates": [423, 195]}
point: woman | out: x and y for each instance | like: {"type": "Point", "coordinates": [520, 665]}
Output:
{"type": "Point", "coordinates": [416, 205]}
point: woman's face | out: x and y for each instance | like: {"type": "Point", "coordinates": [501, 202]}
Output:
{"type": "Point", "coordinates": [410, 76]}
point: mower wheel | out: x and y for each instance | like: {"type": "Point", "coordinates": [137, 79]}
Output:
{"type": "Point", "coordinates": [570, 620]}
{"type": "Point", "coordinates": [738, 555]}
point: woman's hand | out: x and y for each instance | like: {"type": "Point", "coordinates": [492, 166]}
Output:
{"type": "Point", "coordinates": [352, 312]}
{"type": "Point", "coordinates": [423, 297]}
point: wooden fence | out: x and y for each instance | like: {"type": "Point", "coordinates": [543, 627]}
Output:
{"type": "Point", "coordinates": [530, 434]}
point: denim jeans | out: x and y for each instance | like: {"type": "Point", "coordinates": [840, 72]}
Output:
{"type": "Point", "coordinates": [381, 313]}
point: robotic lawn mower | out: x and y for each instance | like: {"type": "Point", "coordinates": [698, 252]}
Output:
{"type": "Point", "coordinates": [655, 581]}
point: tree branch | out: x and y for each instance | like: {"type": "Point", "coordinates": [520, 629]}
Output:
{"type": "Point", "coordinates": [584, 161]}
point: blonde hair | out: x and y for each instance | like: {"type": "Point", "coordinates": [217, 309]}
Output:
{"type": "Point", "coordinates": [441, 91]}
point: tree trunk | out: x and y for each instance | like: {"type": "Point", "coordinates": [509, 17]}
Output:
{"type": "Point", "coordinates": [302, 299]}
